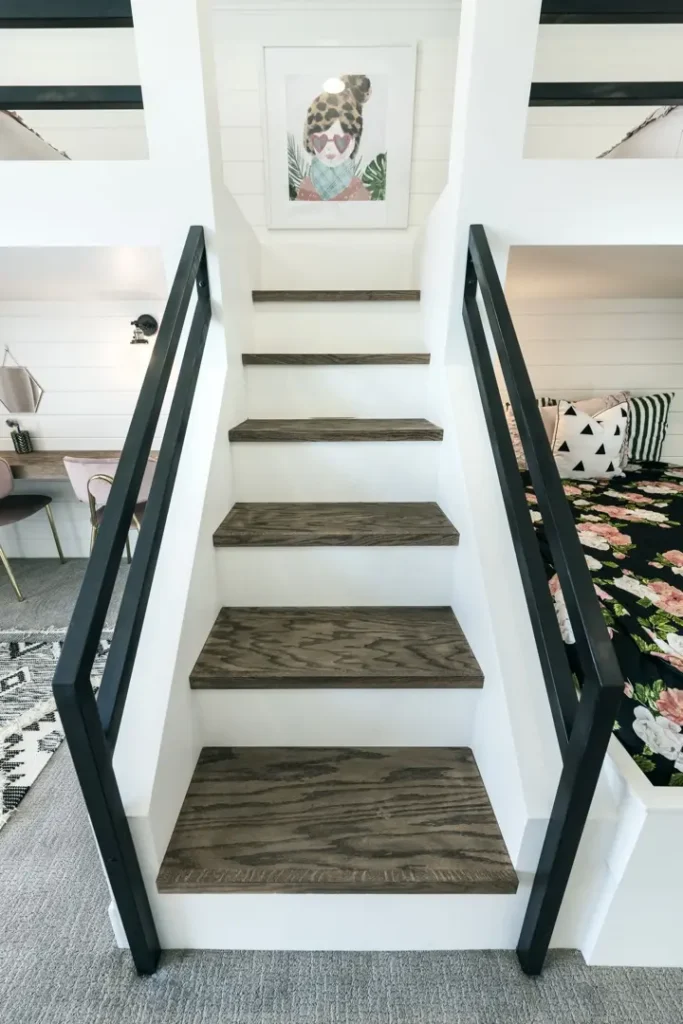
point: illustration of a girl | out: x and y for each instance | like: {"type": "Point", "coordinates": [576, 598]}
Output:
{"type": "Point", "coordinates": [332, 135]}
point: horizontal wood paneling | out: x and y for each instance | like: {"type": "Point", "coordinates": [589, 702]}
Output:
{"type": "Point", "coordinates": [578, 349]}
{"type": "Point", "coordinates": [90, 372]}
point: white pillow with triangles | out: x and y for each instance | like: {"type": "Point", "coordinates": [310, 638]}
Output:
{"type": "Point", "coordinates": [590, 446]}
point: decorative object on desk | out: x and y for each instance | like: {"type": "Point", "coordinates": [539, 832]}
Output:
{"type": "Point", "coordinates": [146, 326]}
{"type": "Point", "coordinates": [19, 389]}
{"type": "Point", "coordinates": [21, 439]}
{"type": "Point", "coordinates": [339, 143]}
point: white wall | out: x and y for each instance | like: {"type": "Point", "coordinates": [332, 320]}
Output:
{"type": "Point", "coordinates": [310, 259]}
{"type": "Point", "coordinates": [580, 348]}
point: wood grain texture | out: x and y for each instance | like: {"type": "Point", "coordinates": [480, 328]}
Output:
{"type": "Point", "coordinates": [405, 295]}
{"type": "Point", "coordinates": [335, 359]}
{"type": "Point", "coordinates": [320, 524]}
{"type": "Point", "coordinates": [336, 429]}
{"type": "Point", "coordinates": [258, 648]}
{"type": "Point", "coordinates": [48, 465]}
{"type": "Point", "coordinates": [339, 820]}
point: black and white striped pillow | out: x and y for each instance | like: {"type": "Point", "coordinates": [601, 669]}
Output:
{"type": "Point", "coordinates": [648, 422]}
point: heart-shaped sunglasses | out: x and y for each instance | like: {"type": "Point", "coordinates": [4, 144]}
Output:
{"type": "Point", "coordinates": [319, 141]}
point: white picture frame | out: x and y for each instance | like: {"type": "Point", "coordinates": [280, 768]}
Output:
{"type": "Point", "coordinates": [294, 81]}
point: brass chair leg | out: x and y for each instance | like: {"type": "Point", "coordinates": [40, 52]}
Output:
{"type": "Point", "coordinates": [128, 557]}
{"type": "Point", "coordinates": [51, 520]}
{"type": "Point", "coordinates": [8, 568]}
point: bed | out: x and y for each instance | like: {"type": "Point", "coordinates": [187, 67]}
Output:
{"type": "Point", "coordinates": [631, 530]}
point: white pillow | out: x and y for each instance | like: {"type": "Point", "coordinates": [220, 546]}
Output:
{"type": "Point", "coordinates": [586, 446]}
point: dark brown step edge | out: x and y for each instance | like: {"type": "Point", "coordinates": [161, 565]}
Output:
{"type": "Point", "coordinates": [336, 429]}
{"type": "Point", "coordinates": [336, 524]}
{"type": "Point", "coordinates": [335, 820]}
{"type": "Point", "coordinates": [342, 648]}
{"type": "Point", "coordinates": [402, 295]}
{"type": "Point", "coordinates": [335, 359]}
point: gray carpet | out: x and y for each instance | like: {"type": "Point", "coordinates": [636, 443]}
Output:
{"type": "Point", "coordinates": [50, 592]}
{"type": "Point", "coordinates": [58, 964]}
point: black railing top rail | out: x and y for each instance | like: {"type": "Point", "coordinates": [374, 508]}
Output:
{"type": "Point", "coordinates": [71, 97]}
{"type": "Point", "coordinates": [583, 720]}
{"type": "Point", "coordinates": [92, 604]}
{"type": "Point", "coordinates": [66, 14]}
{"type": "Point", "coordinates": [91, 727]}
{"type": "Point", "coordinates": [611, 11]}
{"type": "Point", "coordinates": [593, 645]}
{"type": "Point", "coordinates": [606, 94]}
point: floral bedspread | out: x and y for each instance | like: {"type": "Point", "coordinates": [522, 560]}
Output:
{"type": "Point", "coordinates": [632, 534]}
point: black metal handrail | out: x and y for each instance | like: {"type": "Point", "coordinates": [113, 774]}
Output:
{"type": "Point", "coordinates": [71, 97]}
{"type": "Point", "coordinates": [90, 725]}
{"type": "Point", "coordinates": [606, 94]}
{"type": "Point", "coordinates": [583, 721]}
{"type": "Point", "coordinates": [622, 12]}
{"type": "Point", "coordinates": [66, 14]}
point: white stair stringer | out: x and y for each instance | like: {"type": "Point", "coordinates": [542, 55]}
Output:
{"type": "Point", "coordinates": [335, 470]}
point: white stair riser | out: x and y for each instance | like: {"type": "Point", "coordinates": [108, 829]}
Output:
{"type": "Point", "coordinates": [336, 471]}
{"type": "Point", "coordinates": [343, 921]}
{"type": "Point", "coordinates": [337, 327]}
{"type": "Point", "coordinates": [295, 392]}
{"type": "Point", "coordinates": [335, 576]}
{"type": "Point", "coordinates": [335, 718]}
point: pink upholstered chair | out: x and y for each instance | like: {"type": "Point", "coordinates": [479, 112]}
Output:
{"type": "Point", "coordinates": [91, 480]}
{"type": "Point", "coordinates": [14, 508]}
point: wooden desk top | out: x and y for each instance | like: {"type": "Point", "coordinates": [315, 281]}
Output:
{"type": "Point", "coordinates": [47, 465]}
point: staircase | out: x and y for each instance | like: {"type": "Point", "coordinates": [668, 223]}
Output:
{"type": "Point", "coordinates": [336, 692]}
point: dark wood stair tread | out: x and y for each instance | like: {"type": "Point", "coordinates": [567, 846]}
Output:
{"type": "Point", "coordinates": [346, 295]}
{"type": "Point", "coordinates": [315, 524]}
{"type": "Point", "coordinates": [261, 648]}
{"type": "Point", "coordinates": [336, 429]}
{"type": "Point", "coordinates": [312, 820]}
{"type": "Point", "coordinates": [335, 358]}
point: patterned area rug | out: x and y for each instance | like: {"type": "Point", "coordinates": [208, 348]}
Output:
{"type": "Point", "coordinates": [30, 729]}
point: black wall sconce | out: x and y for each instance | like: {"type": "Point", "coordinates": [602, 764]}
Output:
{"type": "Point", "coordinates": [146, 327]}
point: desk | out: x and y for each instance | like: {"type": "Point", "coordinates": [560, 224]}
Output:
{"type": "Point", "coordinates": [49, 465]}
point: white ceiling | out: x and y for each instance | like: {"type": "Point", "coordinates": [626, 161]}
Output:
{"type": "Point", "coordinates": [595, 272]}
{"type": "Point", "coordinates": [90, 274]}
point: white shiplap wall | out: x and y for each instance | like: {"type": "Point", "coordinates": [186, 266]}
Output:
{"type": "Point", "coordinates": [578, 348]}
{"type": "Point", "coordinates": [80, 354]}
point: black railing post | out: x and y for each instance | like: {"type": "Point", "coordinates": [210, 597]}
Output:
{"type": "Point", "coordinates": [583, 764]}
{"type": "Point", "coordinates": [92, 760]}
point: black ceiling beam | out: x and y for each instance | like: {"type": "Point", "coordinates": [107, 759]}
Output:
{"type": "Point", "coordinates": [606, 94]}
{"type": "Point", "coordinates": [611, 12]}
{"type": "Point", "coordinates": [71, 97]}
{"type": "Point", "coordinates": [65, 14]}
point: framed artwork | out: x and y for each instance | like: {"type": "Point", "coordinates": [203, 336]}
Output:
{"type": "Point", "coordinates": [339, 129]}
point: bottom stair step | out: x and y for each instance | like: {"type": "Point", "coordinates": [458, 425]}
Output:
{"type": "Point", "coordinates": [339, 820]}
